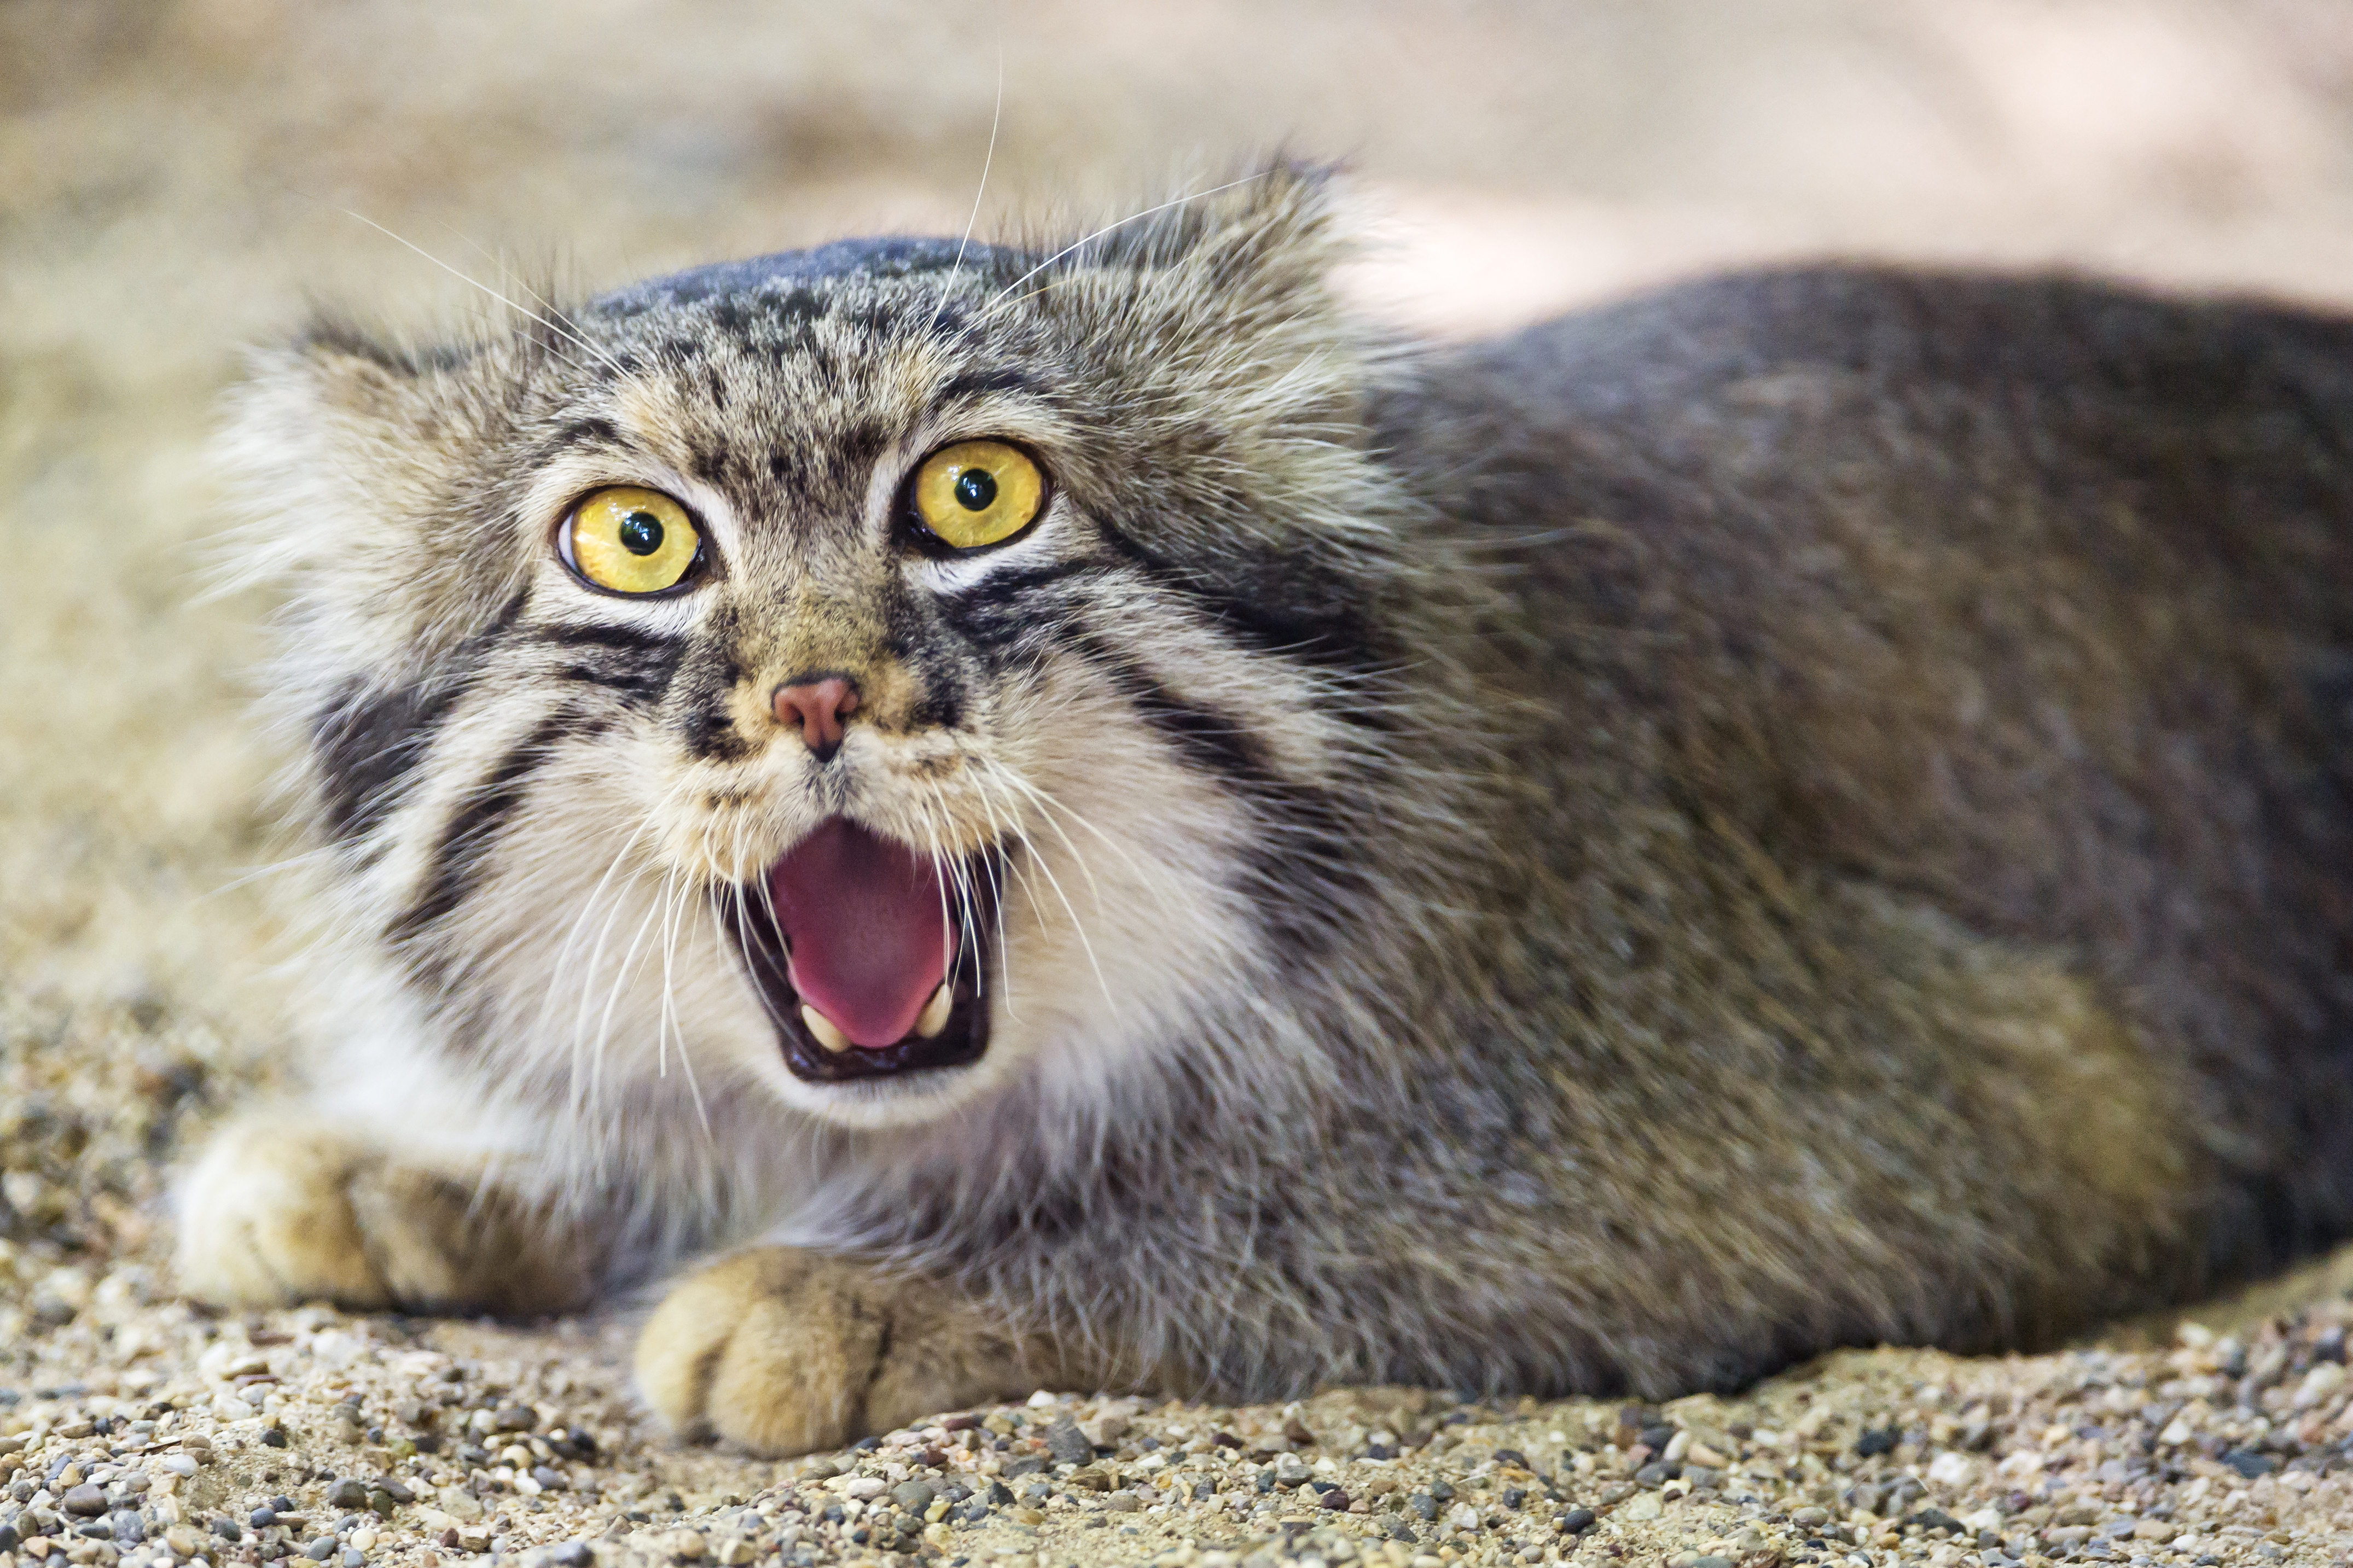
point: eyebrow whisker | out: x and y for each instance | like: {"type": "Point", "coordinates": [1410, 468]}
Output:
{"type": "Point", "coordinates": [562, 329]}
{"type": "Point", "coordinates": [995, 120]}
{"type": "Point", "coordinates": [1132, 218]}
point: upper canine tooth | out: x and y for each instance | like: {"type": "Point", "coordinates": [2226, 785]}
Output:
{"type": "Point", "coordinates": [935, 1012]}
{"type": "Point", "coordinates": [828, 1033]}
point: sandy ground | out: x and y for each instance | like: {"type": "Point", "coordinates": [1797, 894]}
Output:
{"type": "Point", "coordinates": [177, 179]}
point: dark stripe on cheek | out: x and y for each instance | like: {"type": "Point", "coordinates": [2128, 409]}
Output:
{"type": "Point", "coordinates": [638, 665]}
{"type": "Point", "coordinates": [911, 626]}
{"type": "Point", "coordinates": [368, 744]}
{"type": "Point", "coordinates": [999, 586]}
{"type": "Point", "coordinates": [1279, 605]}
{"type": "Point", "coordinates": [1005, 609]}
{"type": "Point", "coordinates": [942, 704]}
{"type": "Point", "coordinates": [641, 685]}
{"type": "Point", "coordinates": [597, 635]}
{"type": "Point", "coordinates": [1307, 859]}
{"type": "Point", "coordinates": [708, 730]}
{"type": "Point", "coordinates": [466, 838]}
{"type": "Point", "coordinates": [1208, 739]}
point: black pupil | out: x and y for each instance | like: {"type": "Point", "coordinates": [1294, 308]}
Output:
{"type": "Point", "coordinates": [974, 488]}
{"type": "Point", "coordinates": [642, 533]}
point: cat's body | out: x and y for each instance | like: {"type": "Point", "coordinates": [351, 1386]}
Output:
{"type": "Point", "coordinates": [1804, 809]}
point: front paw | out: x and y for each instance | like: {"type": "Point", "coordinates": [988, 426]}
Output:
{"type": "Point", "coordinates": [785, 1351]}
{"type": "Point", "coordinates": [270, 1218]}
{"type": "Point", "coordinates": [266, 1219]}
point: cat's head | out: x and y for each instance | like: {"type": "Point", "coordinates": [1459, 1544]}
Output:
{"type": "Point", "coordinates": [878, 677]}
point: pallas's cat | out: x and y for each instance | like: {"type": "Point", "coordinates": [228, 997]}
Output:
{"type": "Point", "coordinates": [1083, 817]}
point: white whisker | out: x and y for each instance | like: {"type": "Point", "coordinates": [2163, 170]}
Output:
{"type": "Point", "coordinates": [1107, 228]}
{"type": "Point", "coordinates": [995, 119]}
{"type": "Point", "coordinates": [572, 334]}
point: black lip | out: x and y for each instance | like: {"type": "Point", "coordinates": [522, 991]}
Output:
{"type": "Point", "coordinates": [761, 945]}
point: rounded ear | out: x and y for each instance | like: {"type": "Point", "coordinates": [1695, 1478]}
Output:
{"type": "Point", "coordinates": [1247, 251]}
{"type": "Point", "coordinates": [1282, 210]}
{"type": "Point", "coordinates": [1214, 317]}
{"type": "Point", "coordinates": [316, 428]}
{"type": "Point", "coordinates": [330, 443]}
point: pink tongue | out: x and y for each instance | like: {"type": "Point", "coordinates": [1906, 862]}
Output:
{"type": "Point", "coordinates": [867, 930]}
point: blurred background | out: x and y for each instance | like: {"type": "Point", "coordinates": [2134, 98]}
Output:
{"type": "Point", "coordinates": [178, 177]}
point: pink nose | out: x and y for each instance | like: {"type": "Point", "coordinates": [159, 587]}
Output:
{"type": "Point", "coordinates": [817, 709]}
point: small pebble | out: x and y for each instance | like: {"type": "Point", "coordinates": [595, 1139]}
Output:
{"type": "Point", "coordinates": [1877, 1441]}
{"type": "Point", "coordinates": [1069, 1445]}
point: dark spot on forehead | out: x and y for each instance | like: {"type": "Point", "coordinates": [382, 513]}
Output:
{"type": "Point", "coordinates": [863, 443]}
{"type": "Point", "coordinates": [973, 383]}
{"type": "Point", "coordinates": [593, 431]}
{"type": "Point", "coordinates": [798, 307]}
{"type": "Point", "coordinates": [712, 463]}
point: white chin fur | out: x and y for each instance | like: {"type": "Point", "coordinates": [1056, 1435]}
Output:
{"type": "Point", "coordinates": [874, 1104]}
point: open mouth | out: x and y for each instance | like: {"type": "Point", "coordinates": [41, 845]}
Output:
{"type": "Point", "coordinates": [869, 959]}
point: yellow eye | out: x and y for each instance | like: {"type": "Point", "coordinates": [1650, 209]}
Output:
{"type": "Point", "coordinates": [977, 492]}
{"type": "Point", "coordinates": [630, 541]}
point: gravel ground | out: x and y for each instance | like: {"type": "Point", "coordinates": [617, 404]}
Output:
{"type": "Point", "coordinates": [177, 174]}
{"type": "Point", "coordinates": [136, 1428]}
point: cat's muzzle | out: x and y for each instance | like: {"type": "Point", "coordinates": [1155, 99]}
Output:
{"type": "Point", "coordinates": [871, 958]}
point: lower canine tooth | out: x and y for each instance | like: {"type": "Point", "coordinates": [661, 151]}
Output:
{"type": "Point", "coordinates": [936, 1013]}
{"type": "Point", "coordinates": [828, 1034]}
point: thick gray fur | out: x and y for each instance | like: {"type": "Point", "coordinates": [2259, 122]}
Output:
{"type": "Point", "coordinates": [1804, 808]}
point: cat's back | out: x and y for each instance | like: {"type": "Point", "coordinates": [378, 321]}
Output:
{"type": "Point", "coordinates": [1909, 498]}
{"type": "Point", "coordinates": [1893, 498]}
{"type": "Point", "coordinates": [2093, 339]}
{"type": "Point", "coordinates": [2030, 598]}
{"type": "Point", "coordinates": [1770, 385]}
